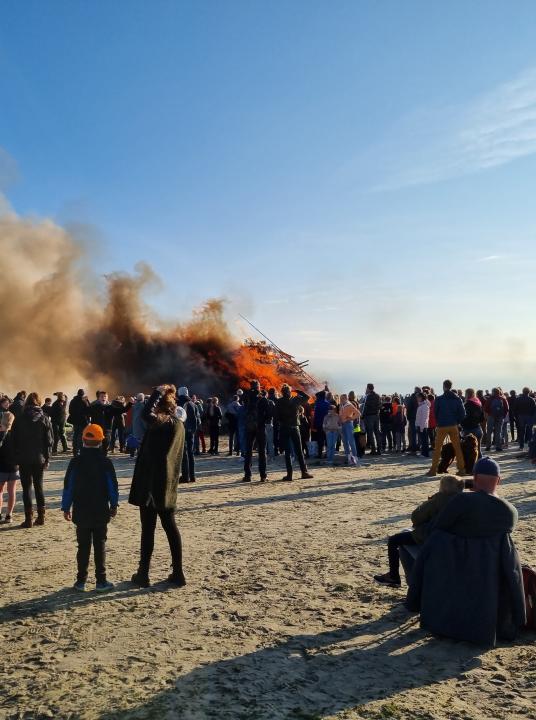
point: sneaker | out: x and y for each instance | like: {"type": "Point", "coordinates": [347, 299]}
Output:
{"type": "Point", "coordinates": [104, 586]}
{"type": "Point", "coordinates": [79, 586]}
{"type": "Point", "coordinates": [387, 579]}
{"type": "Point", "coordinates": [141, 580]}
{"type": "Point", "coordinates": [245, 479]}
{"type": "Point", "coordinates": [286, 479]}
{"type": "Point", "coordinates": [430, 473]}
{"type": "Point", "coordinates": [264, 479]}
{"type": "Point", "coordinates": [8, 520]}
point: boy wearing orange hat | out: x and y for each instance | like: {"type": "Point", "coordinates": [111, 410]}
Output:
{"type": "Point", "coordinates": [90, 489]}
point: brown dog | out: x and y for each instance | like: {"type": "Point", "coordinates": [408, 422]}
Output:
{"type": "Point", "coordinates": [469, 450]}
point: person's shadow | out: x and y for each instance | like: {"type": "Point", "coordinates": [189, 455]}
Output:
{"type": "Point", "coordinates": [313, 676]}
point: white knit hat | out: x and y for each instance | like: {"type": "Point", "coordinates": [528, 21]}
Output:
{"type": "Point", "coordinates": [183, 391]}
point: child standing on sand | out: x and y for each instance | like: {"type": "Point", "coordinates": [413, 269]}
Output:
{"type": "Point", "coordinates": [90, 488]}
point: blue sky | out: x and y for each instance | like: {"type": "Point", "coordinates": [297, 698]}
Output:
{"type": "Point", "coordinates": [357, 177]}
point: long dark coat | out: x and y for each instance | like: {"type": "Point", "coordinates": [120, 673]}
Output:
{"type": "Point", "coordinates": [158, 465]}
{"type": "Point", "coordinates": [468, 588]}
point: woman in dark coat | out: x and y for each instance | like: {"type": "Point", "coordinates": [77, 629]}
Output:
{"type": "Point", "coordinates": [154, 483]}
{"type": "Point", "coordinates": [32, 444]}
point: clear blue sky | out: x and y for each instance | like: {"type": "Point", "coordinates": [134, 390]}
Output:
{"type": "Point", "coordinates": [358, 177]}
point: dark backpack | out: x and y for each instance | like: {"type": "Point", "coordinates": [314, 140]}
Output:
{"type": "Point", "coordinates": [252, 413]}
{"type": "Point", "coordinates": [496, 408]}
{"type": "Point", "coordinates": [529, 586]}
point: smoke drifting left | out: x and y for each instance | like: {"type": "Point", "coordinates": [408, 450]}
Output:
{"type": "Point", "coordinates": [57, 334]}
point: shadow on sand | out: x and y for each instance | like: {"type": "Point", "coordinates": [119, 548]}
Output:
{"type": "Point", "coordinates": [312, 676]}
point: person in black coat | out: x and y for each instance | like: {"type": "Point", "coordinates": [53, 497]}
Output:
{"type": "Point", "coordinates": [58, 417]}
{"type": "Point", "coordinates": [214, 416]}
{"type": "Point", "coordinates": [155, 479]}
{"type": "Point", "coordinates": [17, 405]}
{"type": "Point", "coordinates": [78, 418]}
{"type": "Point", "coordinates": [32, 442]}
{"type": "Point", "coordinates": [9, 471]}
{"type": "Point", "coordinates": [90, 488]}
{"type": "Point", "coordinates": [256, 411]}
{"type": "Point", "coordinates": [102, 412]}
{"type": "Point", "coordinates": [467, 582]}
{"type": "Point", "coordinates": [287, 411]}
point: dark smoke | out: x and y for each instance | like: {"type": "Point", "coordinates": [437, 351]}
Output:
{"type": "Point", "coordinates": [55, 336]}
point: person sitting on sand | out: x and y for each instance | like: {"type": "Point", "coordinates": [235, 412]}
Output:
{"type": "Point", "coordinates": [421, 518]}
{"type": "Point", "coordinates": [467, 581]}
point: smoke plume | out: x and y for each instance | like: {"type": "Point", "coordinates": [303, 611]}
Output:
{"type": "Point", "coordinates": [58, 335]}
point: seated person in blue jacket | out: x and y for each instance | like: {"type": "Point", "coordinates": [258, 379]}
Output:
{"type": "Point", "coordinates": [421, 519]}
{"type": "Point", "coordinates": [90, 489]}
{"type": "Point", "coordinates": [467, 581]}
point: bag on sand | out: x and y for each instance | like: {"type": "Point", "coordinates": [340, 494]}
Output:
{"type": "Point", "coordinates": [312, 446]}
{"type": "Point", "coordinates": [529, 585]}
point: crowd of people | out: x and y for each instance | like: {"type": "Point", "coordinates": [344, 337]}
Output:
{"type": "Point", "coordinates": [269, 423]}
{"type": "Point", "coordinates": [167, 430]}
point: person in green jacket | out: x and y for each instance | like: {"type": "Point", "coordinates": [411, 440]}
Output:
{"type": "Point", "coordinates": [421, 519]}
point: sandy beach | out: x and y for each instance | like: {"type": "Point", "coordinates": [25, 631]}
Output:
{"type": "Point", "coordinates": [280, 618]}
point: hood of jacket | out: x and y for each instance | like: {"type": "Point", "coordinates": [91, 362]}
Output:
{"type": "Point", "coordinates": [33, 412]}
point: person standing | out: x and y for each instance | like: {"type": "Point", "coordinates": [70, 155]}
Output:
{"type": "Point", "coordinates": [449, 413]}
{"type": "Point", "coordinates": [269, 426]}
{"type": "Point", "coordinates": [322, 406]}
{"type": "Point", "coordinates": [497, 412]}
{"type": "Point", "coordinates": [58, 417]}
{"type": "Point", "coordinates": [154, 482]}
{"type": "Point", "coordinates": [287, 413]}
{"type": "Point", "coordinates": [17, 406]}
{"type": "Point", "coordinates": [371, 418]}
{"type": "Point", "coordinates": [332, 428]}
{"type": "Point", "coordinates": [214, 424]}
{"type": "Point", "coordinates": [9, 471]}
{"type": "Point", "coordinates": [32, 442]}
{"type": "Point", "coordinates": [102, 412]}
{"type": "Point", "coordinates": [232, 421]}
{"type": "Point", "coordinates": [422, 419]}
{"type": "Point", "coordinates": [474, 415]}
{"type": "Point", "coordinates": [79, 418]}
{"type": "Point", "coordinates": [256, 410]}
{"type": "Point", "coordinates": [272, 397]}
{"type": "Point", "coordinates": [118, 423]}
{"type": "Point", "coordinates": [191, 424]}
{"type": "Point", "coordinates": [90, 489]}
{"type": "Point", "coordinates": [525, 410]}
{"type": "Point", "coordinates": [138, 423]}
{"type": "Point", "coordinates": [514, 424]}
{"type": "Point", "coordinates": [411, 415]}
{"type": "Point", "coordinates": [386, 424]}
{"type": "Point", "coordinates": [348, 415]}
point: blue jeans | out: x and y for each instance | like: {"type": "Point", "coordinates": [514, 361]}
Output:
{"type": "Point", "coordinates": [494, 430]}
{"type": "Point", "coordinates": [348, 438]}
{"type": "Point", "coordinates": [331, 436]}
{"type": "Point", "coordinates": [188, 459]}
{"type": "Point", "coordinates": [423, 441]}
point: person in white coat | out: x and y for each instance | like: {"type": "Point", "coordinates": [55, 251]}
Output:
{"type": "Point", "coordinates": [421, 423]}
